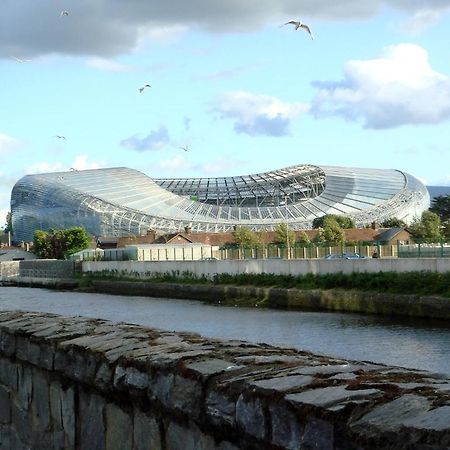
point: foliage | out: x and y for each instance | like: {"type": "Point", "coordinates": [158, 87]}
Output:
{"type": "Point", "coordinates": [58, 244]}
{"type": "Point", "coordinates": [419, 283]}
{"type": "Point", "coordinates": [441, 206]}
{"type": "Point", "coordinates": [8, 225]}
{"type": "Point", "coordinates": [303, 239]}
{"type": "Point", "coordinates": [393, 222]}
{"type": "Point", "coordinates": [342, 221]}
{"type": "Point", "coordinates": [428, 228]}
{"type": "Point", "coordinates": [331, 231]}
{"type": "Point", "coordinates": [246, 237]}
{"type": "Point", "coordinates": [283, 235]}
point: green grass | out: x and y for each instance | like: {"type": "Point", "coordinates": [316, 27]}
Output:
{"type": "Point", "coordinates": [419, 283]}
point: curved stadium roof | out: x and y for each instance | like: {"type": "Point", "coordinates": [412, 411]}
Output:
{"type": "Point", "coordinates": [122, 201]}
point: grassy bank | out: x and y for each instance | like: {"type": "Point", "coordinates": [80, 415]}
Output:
{"type": "Point", "coordinates": [411, 283]}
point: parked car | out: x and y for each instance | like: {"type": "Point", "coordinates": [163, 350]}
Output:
{"type": "Point", "coordinates": [344, 256]}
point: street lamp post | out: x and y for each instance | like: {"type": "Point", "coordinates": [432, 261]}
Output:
{"type": "Point", "coordinates": [287, 230]}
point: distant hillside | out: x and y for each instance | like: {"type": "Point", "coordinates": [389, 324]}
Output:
{"type": "Point", "coordinates": [436, 191]}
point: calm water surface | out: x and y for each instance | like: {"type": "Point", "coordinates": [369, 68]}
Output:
{"type": "Point", "coordinates": [410, 343]}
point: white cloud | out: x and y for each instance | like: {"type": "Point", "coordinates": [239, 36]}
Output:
{"type": "Point", "coordinates": [176, 164]}
{"type": "Point", "coordinates": [80, 162]}
{"type": "Point", "coordinates": [114, 27]}
{"type": "Point", "coordinates": [420, 21]}
{"type": "Point", "coordinates": [7, 143]}
{"type": "Point", "coordinates": [108, 65]}
{"type": "Point", "coordinates": [257, 114]}
{"type": "Point", "coordinates": [155, 140]}
{"type": "Point", "coordinates": [397, 89]}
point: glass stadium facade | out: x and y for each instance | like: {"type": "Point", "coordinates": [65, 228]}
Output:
{"type": "Point", "coordinates": [122, 201]}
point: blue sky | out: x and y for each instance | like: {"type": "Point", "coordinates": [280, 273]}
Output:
{"type": "Point", "coordinates": [241, 93]}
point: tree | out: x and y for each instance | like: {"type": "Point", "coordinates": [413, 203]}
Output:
{"type": "Point", "coordinates": [303, 238]}
{"type": "Point", "coordinates": [8, 225]}
{"type": "Point", "coordinates": [342, 221]}
{"type": "Point", "coordinates": [441, 206]}
{"type": "Point", "coordinates": [393, 222]}
{"type": "Point", "coordinates": [428, 228]}
{"type": "Point", "coordinates": [58, 244]}
{"type": "Point", "coordinates": [246, 237]}
{"type": "Point", "coordinates": [283, 235]}
{"type": "Point", "coordinates": [330, 232]}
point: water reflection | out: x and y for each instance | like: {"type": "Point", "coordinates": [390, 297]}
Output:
{"type": "Point", "coordinates": [420, 344]}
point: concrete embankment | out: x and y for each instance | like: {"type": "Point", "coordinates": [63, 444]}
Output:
{"type": "Point", "coordinates": [79, 383]}
{"type": "Point", "coordinates": [315, 300]}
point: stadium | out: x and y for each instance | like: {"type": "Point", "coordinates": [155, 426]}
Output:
{"type": "Point", "coordinates": [122, 201]}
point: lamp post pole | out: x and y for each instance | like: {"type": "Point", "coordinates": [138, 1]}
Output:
{"type": "Point", "coordinates": [287, 230]}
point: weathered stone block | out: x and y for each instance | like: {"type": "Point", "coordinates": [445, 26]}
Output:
{"type": "Point", "coordinates": [331, 395]}
{"type": "Point", "coordinates": [104, 376]}
{"type": "Point", "coordinates": [21, 421]}
{"type": "Point", "coordinates": [282, 384]}
{"type": "Point", "coordinates": [186, 395]}
{"type": "Point", "coordinates": [46, 356]}
{"type": "Point", "coordinates": [62, 411]}
{"type": "Point", "coordinates": [130, 377]}
{"type": "Point", "coordinates": [286, 430]}
{"type": "Point", "coordinates": [5, 437]}
{"type": "Point", "coordinates": [191, 438]}
{"type": "Point", "coordinates": [40, 406]}
{"type": "Point", "coordinates": [7, 343]}
{"type": "Point", "coordinates": [220, 409]}
{"type": "Point", "coordinates": [317, 434]}
{"type": "Point", "coordinates": [8, 373]}
{"type": "Point", "coordinates": [146, 432]}
{"type": "Point", "coordinates": [24, 386]}
{"type": "Point", "coordinates": [91, 425]}
{"type": "Point", "coordinates": [119, 428]}
{"type": "Point", "coordinates": [250, 416]}
{"type": "Point", "coordinates": [160, 387]}
{"type": "Point", "coordinates": [5, 405]}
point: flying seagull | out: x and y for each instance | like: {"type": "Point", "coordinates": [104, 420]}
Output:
{"type": "Point", "coordinates": [185, 148]}
{"type": "Point", "coordinates": [20, 60]}
{"type": "Point", "coordinates": [64, 13]}
{"type": "Point", "coordinates": [298, 25]}
{"type": "Point", "coordinates": [59, 136]}
{"type": "Point", "coordinates": [141, 89]}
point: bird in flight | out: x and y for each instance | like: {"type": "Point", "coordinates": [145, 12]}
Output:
{"type": "Point", "coordinates": [185, 148]}
{"type": "Point", "coordinates": [64, 13]}
{"type": "Point", "coordinates": [59, 136]}
{"type": "Point", "coordinates": [141, 89]}
{"type": "Point", "coordinates": [298, 25]}
{"type": "Point", "coordinates": [20, 60]}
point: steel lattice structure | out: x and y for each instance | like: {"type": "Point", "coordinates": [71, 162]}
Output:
{"type": "Point", "coordinates": [122, 201]}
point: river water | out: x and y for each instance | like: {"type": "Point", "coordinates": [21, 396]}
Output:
{"type": "Point", "coordinates": [419, 344]}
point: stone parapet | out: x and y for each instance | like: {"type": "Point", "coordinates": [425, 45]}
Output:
{"type": "Point", "coordinates": [78, 383]}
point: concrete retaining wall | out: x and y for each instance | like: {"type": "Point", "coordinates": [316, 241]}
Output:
{"type": "Point", "coordinates": [275, 266]}
{"type": "Point", "coordinates": [37, 268]}
{"type": "Point", "coordinates": [9, 269]}
{"type": "Point", "coordinates": [77, 383]}
{"type": "Point", "coordinates": [279, 298]}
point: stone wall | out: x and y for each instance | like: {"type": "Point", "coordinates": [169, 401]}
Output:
{"type": "Point", "coordinates": [77, 383]}
{"type": "Point", "coordinates": [37, 268]}
{"type": "Point", "coordinates": [9, 269]}
{"type": "Point", "coordinates": [275, 266]}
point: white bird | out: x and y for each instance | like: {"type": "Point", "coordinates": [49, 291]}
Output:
{"type": "Point", "coordinates": [20, 60]}
{"type": "Point", "coordinates": [185, 148]}
{"type": "Point", "coordinates": [59, 136]}
{"type": "Point", "coordinates": [143, 87]}
{"type": "Point", "coordinates": [298, 25]}
{"type": "Point", "coordinates": [64, 13]}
